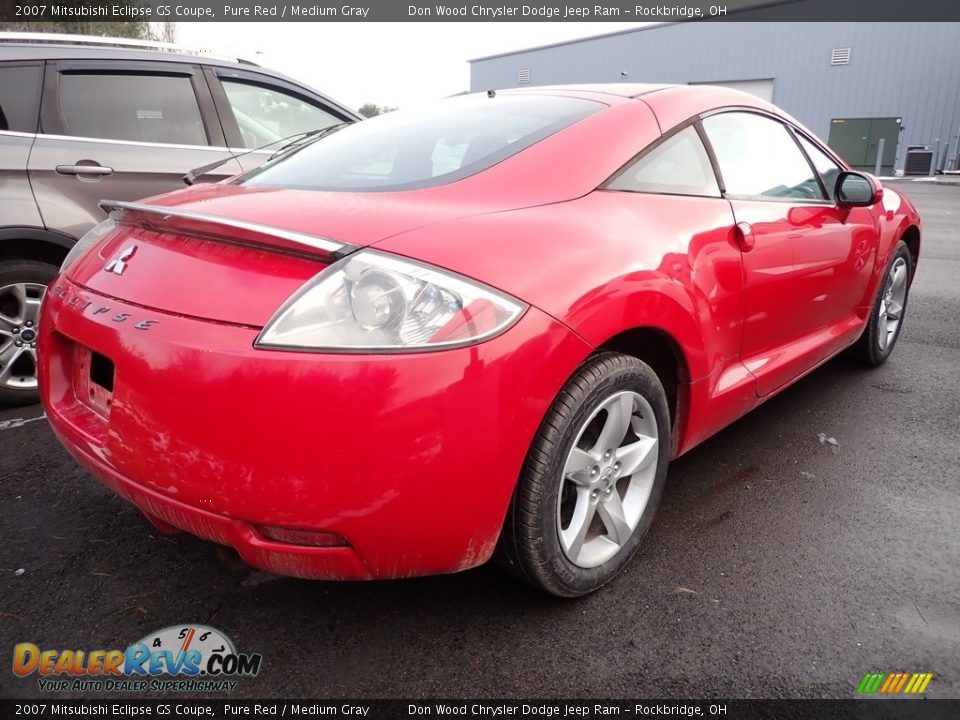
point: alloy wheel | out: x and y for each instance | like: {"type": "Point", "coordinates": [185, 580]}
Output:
{"type": "Point", "coordinates": [607, 479]}
{"type": "Point", "coordinates": [891, 303]}
{"type": "Point", "coordinates": [19, 313]}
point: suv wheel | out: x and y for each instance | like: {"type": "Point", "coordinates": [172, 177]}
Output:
{"type": "Point", "coordinates": [22, 284]}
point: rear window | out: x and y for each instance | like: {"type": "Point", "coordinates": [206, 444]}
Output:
{"type": "Point", "coordinates": [421, 148]}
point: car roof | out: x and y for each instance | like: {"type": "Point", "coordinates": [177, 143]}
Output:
{"type": "Point", "coordinates": [622, 90]}
{"type": "Point", "coordinates": [671, 104]}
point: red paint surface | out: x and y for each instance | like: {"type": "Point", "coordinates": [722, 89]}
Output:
{"type": "Point", "coordinates": [412, 459]}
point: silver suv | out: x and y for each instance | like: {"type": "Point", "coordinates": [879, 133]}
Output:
{"type": "Point", "coordinates": [83, 119]}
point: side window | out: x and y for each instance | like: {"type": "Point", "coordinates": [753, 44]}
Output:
{"type": "Point", "coordinates": [19, 95]}
{"type": "Point", "coordinates": [827, 168]}
{"type": "Point", "coordinates": [679, 166]}
{"type": "Point", "coordinates": [136, 108]}
{"type": "Point", "coordinates": [266, 115]}
{"type": "Point", "coordinates": [758, 158]}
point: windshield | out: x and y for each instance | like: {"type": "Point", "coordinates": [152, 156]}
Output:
{"type": "Point", "coordinates": [431, 146]}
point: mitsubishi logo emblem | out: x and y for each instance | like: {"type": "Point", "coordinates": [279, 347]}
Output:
{"type": "Point", "coordinates": [119, 263]}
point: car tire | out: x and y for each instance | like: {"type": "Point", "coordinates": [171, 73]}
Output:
{"type": "Point", "coordinates": [576, 518]}
{"type": "Point", "coordinates": [22, 284]}
{"type": "Point", "coordinates": [889, 308]}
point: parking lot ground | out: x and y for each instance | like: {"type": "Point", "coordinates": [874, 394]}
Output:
{"type": "Point", "coordinates": [778, 566]}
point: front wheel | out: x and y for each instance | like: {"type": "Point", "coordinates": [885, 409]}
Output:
{"type": "Point", "coordinates": [889, 307]}
{"type": "Point", "coordinates": [592, 480]}
{"type": "Point", "coordinates": [22, 285]}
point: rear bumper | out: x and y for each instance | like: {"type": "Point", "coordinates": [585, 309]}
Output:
{"type": "Point", "coordinates": [331, 563]}
{"type": "Point", "coordinates": [411, 459]}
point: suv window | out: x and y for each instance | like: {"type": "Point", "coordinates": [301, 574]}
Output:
{"type": "Point", "coordinates": [265, 115]}
{"type": "Point", "coordinates": [19, 95]}
{"type": "Point", "coordinates": [758, 157]}
{"type": "Point", "coordinates": [827, 168]}
{"type": "Point", "coordinates": [430, 146]}
{"type": "Point", "coordinates": [136, 108]}
{"type": "Point", "coordinates": [679, 165]}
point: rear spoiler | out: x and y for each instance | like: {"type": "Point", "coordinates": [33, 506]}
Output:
{"type": "Point", "coordinates": [226, 230]}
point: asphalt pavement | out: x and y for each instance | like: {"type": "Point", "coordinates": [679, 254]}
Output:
{"type": "Point", "coordinates": [780, 565]}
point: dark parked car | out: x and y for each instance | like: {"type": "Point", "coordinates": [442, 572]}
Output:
{"type": "Point", "coordinates": [82, 119]}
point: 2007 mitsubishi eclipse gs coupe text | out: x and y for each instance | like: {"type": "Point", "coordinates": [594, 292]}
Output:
{"type": "Point", "coordinates": [478, 330]}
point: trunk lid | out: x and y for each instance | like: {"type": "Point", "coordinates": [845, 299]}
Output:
{"type": "Point", "coordinates": [232, 254]}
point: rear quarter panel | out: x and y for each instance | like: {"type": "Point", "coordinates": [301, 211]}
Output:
{"type": "Point", "coordinates": [605, 263]}
{"type": "Point", "coordinates": [611, 262]}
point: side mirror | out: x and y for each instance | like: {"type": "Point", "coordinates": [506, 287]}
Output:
{"type": "Point", "coordinates": [855, 189]}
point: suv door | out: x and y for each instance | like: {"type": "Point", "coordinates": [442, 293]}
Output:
{"type": "Point", "coordinates": [123, 131]}
{"type": "Point", "coordinates": [804, 258]}
{"type": "Point", "coordinates": [22, 279]}
{"type": "Point", "coordinates": [19, 112]}
{"type": "Point", "coordinates": [257, 109]}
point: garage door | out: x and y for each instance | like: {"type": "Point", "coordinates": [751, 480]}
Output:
{"type": "Point", "coordinates": [763, 89]}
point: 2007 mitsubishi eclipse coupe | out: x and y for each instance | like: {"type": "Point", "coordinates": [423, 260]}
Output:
{"type": "Point", "coordinates": [477, 330]}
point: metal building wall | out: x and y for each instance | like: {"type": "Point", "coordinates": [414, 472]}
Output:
{"type": "Point", "coordinates": [908, 70]}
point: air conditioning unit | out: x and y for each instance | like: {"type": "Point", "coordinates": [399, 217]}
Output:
{"type": "Point", "coordinates": [919, 158]}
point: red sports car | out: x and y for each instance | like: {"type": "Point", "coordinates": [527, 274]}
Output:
{"type": "Point", "coordinates": [481, 329]}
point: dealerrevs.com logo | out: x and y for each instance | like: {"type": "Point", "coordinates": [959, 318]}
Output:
{"type": "Point", "coordinates": [180, 658]}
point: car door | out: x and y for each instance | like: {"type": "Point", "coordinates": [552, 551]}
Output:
{"type": "Point", "coordinates": [19, 102]}
{"type": "Point", "coordinates": [122, 131]}
{"type": "Point", "coordinates": [805, 260]}
{"type": "Point", "coordinates": [670, 192]}
{"type": "Point", "coordinates": [259, 110]}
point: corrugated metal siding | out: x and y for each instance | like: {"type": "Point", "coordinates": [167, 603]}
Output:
{"type": "Point", "coordinates": [908, 70]}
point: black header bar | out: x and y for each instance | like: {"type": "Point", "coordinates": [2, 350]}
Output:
{"type": "Point", "coordinates": [175, 707]}
{"type": "Point", "coordinates": [478, 10]}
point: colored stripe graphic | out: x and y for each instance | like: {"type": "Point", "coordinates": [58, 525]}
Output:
{"type": "Point", "coordinates": [915, 680]}
{"type": "Point", "coordinates": [894, 683]}
{"type": "Point", "coordinates": [870, 683]}
{"type": "Point", "coordinates": [888, 683]}
{"type": "Point", "coordinates": [901, 680]}
{"type": "Point", "coordinates": [922, 687]}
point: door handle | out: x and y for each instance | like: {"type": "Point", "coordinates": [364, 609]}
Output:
{"type": "Point", "coordinates": [84, 170]}
{"type": "Point", "coordinates": [743, 233]}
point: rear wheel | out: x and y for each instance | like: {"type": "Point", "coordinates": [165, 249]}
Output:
{"type": "Point", "coordinates": [22, 285]}
{"type": "Point", "coordinates": [886, 317]}
{"type": "Point", "coordinates": [592, 480]}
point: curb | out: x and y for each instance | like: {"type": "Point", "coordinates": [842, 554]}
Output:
{"type": "Point", "coordinates": [924, 179]}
